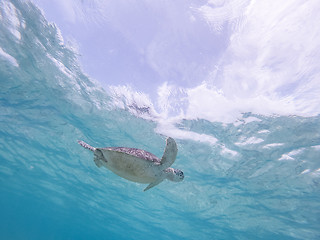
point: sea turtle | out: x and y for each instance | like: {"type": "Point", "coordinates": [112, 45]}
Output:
{"type": "Point", "coordinates": [138, 165]}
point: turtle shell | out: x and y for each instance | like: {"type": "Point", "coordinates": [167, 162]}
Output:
{"type": "Point", "coordinates": [139, 153]}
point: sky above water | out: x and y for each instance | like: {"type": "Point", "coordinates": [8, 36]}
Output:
{"type": "Point", "coordinates": [198, 59]}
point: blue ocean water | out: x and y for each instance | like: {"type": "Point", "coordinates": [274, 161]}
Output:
{"type": "Point", "coordinates": [261, 180]}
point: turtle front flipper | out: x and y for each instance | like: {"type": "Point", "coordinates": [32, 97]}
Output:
{"type": "Point", "coordinates": [170, 153]}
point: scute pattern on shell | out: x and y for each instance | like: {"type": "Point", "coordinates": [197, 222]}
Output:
{"type": "Point", "coordinates": [136, 152]}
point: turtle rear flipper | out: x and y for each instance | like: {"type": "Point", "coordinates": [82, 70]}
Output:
{"type": "Point", "coordinates": [98, 158]}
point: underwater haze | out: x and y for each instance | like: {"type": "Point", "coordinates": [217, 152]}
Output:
{"type": "Point", "coordinates": [255, 175]}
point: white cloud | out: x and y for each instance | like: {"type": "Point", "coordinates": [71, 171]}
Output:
{"type": "Point", "coordinates": [218, 12]}
{"type": "Point", "coordinates": [263, 56]}
{"type": "Point", "coordinates": [275, 56]}
{"type": "Point", "coordinates": [270, 67]}
{"type": "Point", "coordinates": [213, 105]}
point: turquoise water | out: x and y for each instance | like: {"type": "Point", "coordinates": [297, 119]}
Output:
{"type": "Point", "coordinates": [260, 180]}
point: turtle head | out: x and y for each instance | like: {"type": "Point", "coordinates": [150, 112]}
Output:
{"type": "Point", "coordinates": [175, 175]}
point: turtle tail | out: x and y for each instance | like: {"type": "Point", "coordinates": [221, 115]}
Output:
{"type": "Point", "coordinates": [86, 145]}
